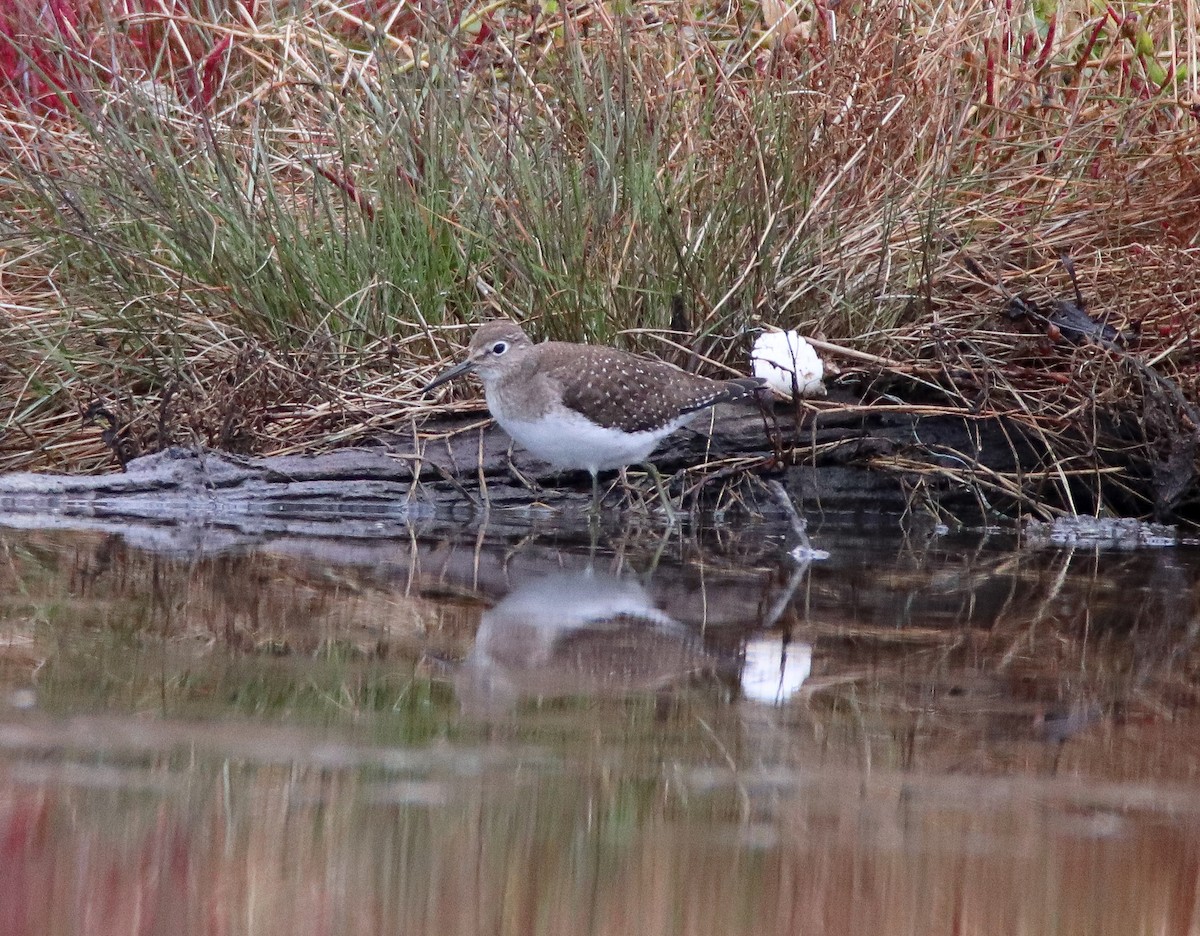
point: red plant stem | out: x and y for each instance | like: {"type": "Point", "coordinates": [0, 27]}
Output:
{"type": "Point", "coordinates": [1027, 45]}
{"type": "Point", "coordinates": [407, 178]}
{"type": "Point", "coordinates": [990, 74]}
{"type": "Point", "coordinates": [1048, 45]}
{"type": "Point", "coordinates": [1086, 54]}
{"type": "Point", "coordinates": [346, 184]}
{"type": "Point", "coordinates": [38, 29]}
{"type": "Point", "coordinates": [211, 65]}
{"type": "Point", "coordinates": [209, 68]}
{"type": "Point", "coordinates": [469, 55]}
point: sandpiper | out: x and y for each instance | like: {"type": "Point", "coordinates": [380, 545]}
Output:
{"type": "Point", "coordinates": [585, 406]}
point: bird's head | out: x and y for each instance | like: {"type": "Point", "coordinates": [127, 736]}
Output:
{"type": "Point", "coordinates": [494, 348]}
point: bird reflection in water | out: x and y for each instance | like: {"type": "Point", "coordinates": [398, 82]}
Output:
{"type": "Point", "coordinates": [580, 633]}
{"type": "Point", "coordinates": [592, 633]}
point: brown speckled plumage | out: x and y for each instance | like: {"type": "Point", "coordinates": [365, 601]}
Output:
{"type": "Point", "coordinates": [619, 390]}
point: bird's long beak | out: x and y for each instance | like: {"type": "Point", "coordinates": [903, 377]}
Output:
{"type": "Point", "coordinates": [447, 375]}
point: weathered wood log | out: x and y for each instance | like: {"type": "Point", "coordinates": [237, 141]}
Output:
{"type": "Point", "coordinates": [844, 456]}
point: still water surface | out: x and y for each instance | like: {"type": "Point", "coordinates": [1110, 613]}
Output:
{"type": "Point", "coordinates": [513, 730]}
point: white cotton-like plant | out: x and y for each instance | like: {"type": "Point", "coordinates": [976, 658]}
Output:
{"type": "Point", "coordinates": [776, 356]}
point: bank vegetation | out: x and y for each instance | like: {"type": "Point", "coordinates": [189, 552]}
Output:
{"type": "Point", "coordinates": [263, 226]}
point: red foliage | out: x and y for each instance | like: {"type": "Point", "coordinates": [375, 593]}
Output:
{"type": "Point", "coordinates": [470, 55]}
{"type": "Point", "coordinates": [51, 49]}
{"type": "Point", "coordinates": [38, 44]}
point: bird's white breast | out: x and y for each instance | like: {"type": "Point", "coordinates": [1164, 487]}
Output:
{"type": "Point", "coordinates": [566, 439]}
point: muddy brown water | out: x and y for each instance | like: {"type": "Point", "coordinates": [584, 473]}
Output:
{"type": "Point", "coordinates": [512, 729]}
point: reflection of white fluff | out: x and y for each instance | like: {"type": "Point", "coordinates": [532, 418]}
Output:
{"type": "Point", "coordinates": [777, 355]}
{"type": "Point", "coordinates": [773, 671]}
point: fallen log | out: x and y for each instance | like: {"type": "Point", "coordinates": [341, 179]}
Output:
{"type": "Point", "coordinates": [834, 455]}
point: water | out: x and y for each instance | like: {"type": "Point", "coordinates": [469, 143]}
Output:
{"type": "Point", "coordinates": [514, 730]}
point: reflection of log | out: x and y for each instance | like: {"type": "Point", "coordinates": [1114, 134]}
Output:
{"type": "Point", "coordinates": [844, 457]}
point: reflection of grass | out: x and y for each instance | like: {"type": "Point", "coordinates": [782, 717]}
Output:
{"type": "Point", "coordinates": [402, 707]}
{"type": "Point", "coordinates": [98, 627]}
{"type": "Point", "coordinates": [103, 671]}
{"type": "Point", "coordinates": [102, 628]}
{"type": "Point", "coordinates": [301, 848]}
{"type": "Point", "coordinates": [394, 702]}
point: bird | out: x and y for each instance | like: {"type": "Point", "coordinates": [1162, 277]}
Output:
{"type": "Point", "coordinates": [581, 406]}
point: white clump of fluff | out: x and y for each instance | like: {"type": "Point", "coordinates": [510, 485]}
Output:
{"type": "Point", "coordinates": [774, 671]}
{"type": "Point", "coordinates": [777, 355]}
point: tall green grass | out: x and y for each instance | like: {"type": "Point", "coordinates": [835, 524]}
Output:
{"type": "Point", "coordinates": [591, 206]}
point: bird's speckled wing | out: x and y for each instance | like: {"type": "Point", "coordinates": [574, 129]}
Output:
{"type": "Point", "coordinates": [619, 390]}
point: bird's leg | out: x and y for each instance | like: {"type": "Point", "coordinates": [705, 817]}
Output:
{"type": "Point", "coordinates": [594, 517]}
{"type": "Point", "coordinates": [664, 498]}
{"type": "Point", "coordinates": [595, 511]}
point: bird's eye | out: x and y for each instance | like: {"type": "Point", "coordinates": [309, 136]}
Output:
{"type": "Point", "coordinates": [499, 347]}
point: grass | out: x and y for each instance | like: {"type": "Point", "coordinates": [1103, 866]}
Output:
{"type": "Point", "coordinates": [261, 226]}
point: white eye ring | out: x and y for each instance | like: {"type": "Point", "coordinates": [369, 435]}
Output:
{"type": "Point", "coordinates": [499, 347]}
